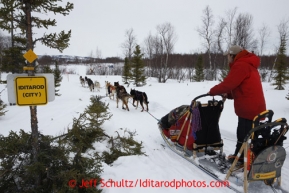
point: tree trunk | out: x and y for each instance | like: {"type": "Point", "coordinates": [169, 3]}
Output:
{"type": "Point", "coordinates": [269, 79]}
{"type": "Point", "coordinates": [33, 109]}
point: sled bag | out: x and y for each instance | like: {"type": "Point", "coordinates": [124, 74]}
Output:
{"type": "Point", "coordinates": [176, 126]}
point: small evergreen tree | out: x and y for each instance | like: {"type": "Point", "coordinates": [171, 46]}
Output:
{"type": "Point", "coordinates": [2, 108]}
{"type": "Point", "coordinates": [287, 96]}
{"type": "Point", "coordinates": [71, 157]}
{"type": "Point", "coordinates": [264, 72]}
{"type": "Point", "coordinates": [281, 69]}
{"type": "Point", "coordinates": [122, 146]}
{"type": "Point", "coordinates": [12, 60]}
{"type": "Point", "coordinates": [57, 78]}
{"type": "Point", "coordinates": [56, 72]}
{"type": "Point", "coordinates": [65, 162]}
{"type": "Point", "coordinates": [138, 67]}
{"type": "Point", "coordinates": [126, 75]}
{"type": "Point", "coordinates": [224, 73]}
{"type": "Point", "coordinates": [55, 166]}
{"type": "Point", "coordinates": [199, 70]}
{"type": "Point", "coordinates": [98, 112]}
{"type": "Point", "coordinates": [44, 69]}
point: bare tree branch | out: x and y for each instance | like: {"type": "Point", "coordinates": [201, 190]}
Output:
{"type": "Point", "coordinates": [243, 32]}
{"type": "Point", "coordinates": [207, 32]}
{"type": "Point", "coordinates": [129, 44]}
{"type": "Point", "coordinates": [264, 33]}
{"type": "Point", "coordinates": [167, 41]}
{"type": "Point", "coordinates": [229, 27]}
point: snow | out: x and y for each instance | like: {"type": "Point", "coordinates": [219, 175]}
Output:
{"type": "Point", "coordinates": [160, 164]}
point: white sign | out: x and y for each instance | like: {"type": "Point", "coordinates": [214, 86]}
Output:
{"type": "Point", "coordinates": [11, 78]}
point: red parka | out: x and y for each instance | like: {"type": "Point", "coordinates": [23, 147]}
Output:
{"type": "Point", "coordinates": [243, 84]}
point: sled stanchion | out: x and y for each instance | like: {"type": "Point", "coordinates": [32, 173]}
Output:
{"type": "Point", "coordinates": [235, 162]}
{"type": "Point", "coordinates": [245, 186]}
{"type": "Point", "coordinates": [188, 130]}
{"type": "Point", "coordinates": [194, 150]}
{"type": "Point", "coordinates": [279, 180]}
{"type": "Point", "coordinates": [184, 123]}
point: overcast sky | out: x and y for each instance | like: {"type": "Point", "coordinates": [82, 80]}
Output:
{"type": "Point", "coordinates": [101, 24]}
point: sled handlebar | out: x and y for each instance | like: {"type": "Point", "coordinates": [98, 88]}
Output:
{"type": "Point", "coordinates": [280, 122]}
{"type": "Point", "coordinates": [204, 95]}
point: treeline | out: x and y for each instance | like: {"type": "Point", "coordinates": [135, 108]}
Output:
{"type": "Point", "coordinates": [190, 60]}
{"type": "Point", "coordinates": [176, 64]}
{"type": "Point", "coordinates": [48, 60]}
{"type": "Point", "coordinates": [175, 60]}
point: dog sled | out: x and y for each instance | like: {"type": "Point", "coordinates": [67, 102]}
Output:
{"type": "Point", "coordinates": [194, 130]}
{"type": "Point", "coordinates": [263, 150]}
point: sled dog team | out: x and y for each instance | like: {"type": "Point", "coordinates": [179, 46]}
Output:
{"type": "Point", "coordinates": [90, 83]}
{"type": "Point", "coordinates": [119, 92]}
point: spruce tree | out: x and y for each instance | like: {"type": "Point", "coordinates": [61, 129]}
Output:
{"type": "Point", "coordinates": [224, 72]}
{"type": "Point", "coordinates": [287, 96]}
{"type": "Point", "coordinates": [12, 60]}
{"type": "Point", "coordinates": [122, 146]}
{"type": "Point", "coordinates": [2, 107]}
{"type": "Point", "coordinates": [66, 160]}
{"type": "Point", "coordinates": [17, 15]}
{"type": "Point", "coordinates": [98, 112]}
{"type": "Point", "coordinates": [56, 72]}
{"type": "Point", "coordinates": [13, 16]}
{"type": "Point", "coordinates": [57, 78]}
{"type": "Point", "coordinates": [281, 69]}
{"type": "Point", "coordinates": [138, 68]}
{"type": "Point", "coordinates": [199, 70]}
{"type": "Point", "coordinates": [45, 69]}
{"type": "Point", "coordinates": [126, 74]}
{"type": "Point", "coordinates": [69, 157]}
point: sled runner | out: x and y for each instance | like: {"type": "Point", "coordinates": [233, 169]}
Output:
{"type": "Point", "coordinates": [194, 130]}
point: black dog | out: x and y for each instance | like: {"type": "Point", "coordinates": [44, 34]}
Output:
{"type": "Point", "coordinates": [90, 84]}
{"type": "Point", "coordinates": [139, 97]}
